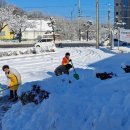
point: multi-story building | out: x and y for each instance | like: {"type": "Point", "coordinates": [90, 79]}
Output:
{"type": "Point", "coordinates": [117, 9]}
{"type": "Point", "coordinates": [122, 12]}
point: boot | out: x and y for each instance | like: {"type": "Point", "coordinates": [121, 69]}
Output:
{"type": "Point", "coordinates": [11, 95]}
{"type": "Point", "coordinates": [15, 99]}
{"type": "Point", "coordinates": [15, 96]}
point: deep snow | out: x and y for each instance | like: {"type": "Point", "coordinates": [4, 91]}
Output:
{"type": "Point", "coordinates": [86, 104]}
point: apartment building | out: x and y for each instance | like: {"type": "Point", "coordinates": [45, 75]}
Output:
{"type": "Point", "coordinates": [122, 12]}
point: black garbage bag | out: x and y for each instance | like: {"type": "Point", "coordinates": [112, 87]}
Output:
{"type": "Point", "coordinates": [126, 68]}
{"type": "Point", "coordinates": [105, 75]}
{"type": "Point", "coordinates": [36, 95]}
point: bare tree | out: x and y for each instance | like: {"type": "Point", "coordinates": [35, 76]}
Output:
{"type": "Point", "coordinates": [65, 28]}
{"type": "Point", "coordinates": [18, 11]}
{"type": "Point", "coordinates": [37, 14]}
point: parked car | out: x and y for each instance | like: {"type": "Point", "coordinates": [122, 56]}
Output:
{"type": "Point", "coordinates": [46, 43]}
{"type": "Point", "coordinates": [121, 43]}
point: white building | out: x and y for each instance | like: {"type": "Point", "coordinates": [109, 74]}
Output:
{"type": "Point", "coordinates": [40, 28]}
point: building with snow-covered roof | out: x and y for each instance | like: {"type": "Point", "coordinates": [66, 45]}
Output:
{"type": "Point", "coordinates": [39, 30]}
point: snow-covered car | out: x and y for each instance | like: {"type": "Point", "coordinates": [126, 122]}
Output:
{"type": "Point", "coordinates": [46, 44]}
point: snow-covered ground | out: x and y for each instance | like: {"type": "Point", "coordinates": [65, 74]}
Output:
{"type": "Point", "coordinates": [85, 104]}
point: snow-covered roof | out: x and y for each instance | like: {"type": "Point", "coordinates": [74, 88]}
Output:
{"type": "Point", "coordinates": [39, 25]}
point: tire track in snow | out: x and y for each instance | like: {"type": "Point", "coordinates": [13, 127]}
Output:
{"type": "Point", "coordinates": [87, 56]}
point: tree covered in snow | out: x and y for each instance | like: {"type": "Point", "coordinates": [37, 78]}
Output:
{"type": "Point", "coordinates": [6, 16]}
{"type": "Point", "coordinates": [9, 18]}
{"type": "Point", "coordinates": [20, 23]}
{"type": "Point", "coordinates": [104, 32]}
{"type": "Point", "coordinates": [66, 29]}
{"type": "Point", "coordinates": [70, 29]}
{"type": "Point", "coordinates": [84, 28]}
{"type": "Point", "coordinates": [15, 19]}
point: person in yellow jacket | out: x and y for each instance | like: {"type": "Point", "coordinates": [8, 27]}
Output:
{"type": "Point", "coordinates": [13, 83]}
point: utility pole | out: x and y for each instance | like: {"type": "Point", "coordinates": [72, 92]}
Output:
{"type": "Point", "coordinates": [109, 26]}
{"type": "Point", "coordinates": [79, 11]}
{"type": "Point", "coordinates": [97, 23]}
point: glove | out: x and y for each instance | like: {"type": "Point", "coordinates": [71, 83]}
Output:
{"type": "Point", "coordinates": [70, 60]}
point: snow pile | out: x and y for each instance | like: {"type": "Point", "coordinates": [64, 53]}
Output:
{"type": "Point", "coordinates": [86, 104]}
{"type": "Point", "coordinates": [75, 107]}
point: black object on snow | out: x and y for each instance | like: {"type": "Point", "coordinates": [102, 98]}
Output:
{"type": "Point", "coordinates": [105, 75]}
{"type": "Point", "coordinates": [126, 68]}
{"type": "Point", "coordinates": [36, 95]}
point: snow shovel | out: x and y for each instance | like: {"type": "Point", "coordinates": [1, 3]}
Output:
{"type": "Point", "coordinates": [3, 89]}
{"type": "Point", "coordinates": [76, 76]}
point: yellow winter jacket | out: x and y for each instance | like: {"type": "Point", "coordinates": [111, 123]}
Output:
{"type": "Point", "coordinates": [13, 82]}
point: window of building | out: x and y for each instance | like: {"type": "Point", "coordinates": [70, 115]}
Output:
{"type": "Point", "coordinates": [2, 33]}
{"type": "Point", "coordinates": [11, 33]}
{"type": "Point", "coordinates": [117, 4]}
{"type": "Point", "coordinates": [117, 13]}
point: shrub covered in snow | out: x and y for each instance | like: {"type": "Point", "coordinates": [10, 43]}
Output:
{"type": "Point", "coordinates": [23, 52]}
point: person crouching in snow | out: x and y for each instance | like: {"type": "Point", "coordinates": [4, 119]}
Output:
{"type": "Point", "coordinates": [65, 67]}
{"type": "Point", "coordinates": [13, 83]}
{"type": "Point", "coordinates": [65, 63]}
